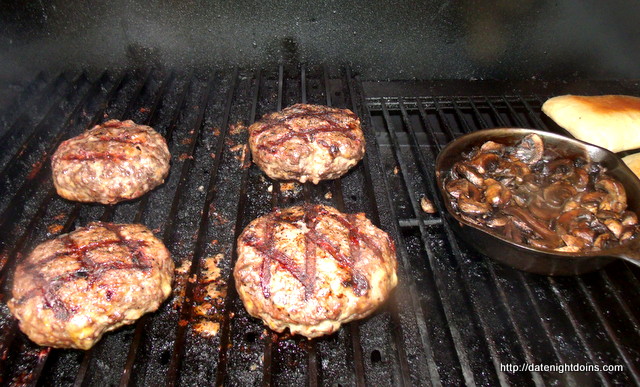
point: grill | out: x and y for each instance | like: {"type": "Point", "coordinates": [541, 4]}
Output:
{"type": "Point", "coordinates": [456, 317]}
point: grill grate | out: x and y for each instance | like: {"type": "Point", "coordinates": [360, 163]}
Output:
{"type": "Point", "coordinates": [455, 318]}
{"type": "Point", "coordinates": [495, 315]}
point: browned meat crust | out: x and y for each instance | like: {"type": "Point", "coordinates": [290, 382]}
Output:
{"type": "Point", "coordinates": [307, 143]}
{"type": "Point", "coordinates": [72, 289]}
{"type": "Point", "coordinates": [112, 162]}
{"type": "Point", "coordinates": [312, 268]}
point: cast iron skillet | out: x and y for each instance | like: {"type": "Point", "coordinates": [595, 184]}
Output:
{"type": "Point", "coordinates": [521, 256]}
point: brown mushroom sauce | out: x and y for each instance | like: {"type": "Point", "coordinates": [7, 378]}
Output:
{"type": "Point", "coordinates": [531, 196]}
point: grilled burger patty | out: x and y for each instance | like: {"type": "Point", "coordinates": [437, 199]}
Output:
{"type": "Point", "coordinates": [72, 289]}
{"type": "Point", "coordinates": [312, 268]}
{"type": "Point", "coordinates": [307, 143]}
{"type": "Point", "coordinates": [112, 162]}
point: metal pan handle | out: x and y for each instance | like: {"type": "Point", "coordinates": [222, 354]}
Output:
{"type": "Point", "coordinates": [630, 252]}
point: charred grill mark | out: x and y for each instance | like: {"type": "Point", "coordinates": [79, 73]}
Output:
{"type": "Point", "coordinates": [328, 116]}
{"type": "Point", "coordinates": [355, 236]}
{"type": "Point", "coordinates": [90, 156]}
{"type": "Point", "coordinates": [313, 240]}
{"type": "Point", "coordinates": [268, 251]}
{"type": "Point", "coordinates": [126, 139]}
{"type": "Point", "coordinates": [330, 125]}
{"type": "Point", "coordinates": [308, 136]}
{"type": "Point", "coordinates": [309, 256]}
{"type": "Point", "coordinates": [88, 270]}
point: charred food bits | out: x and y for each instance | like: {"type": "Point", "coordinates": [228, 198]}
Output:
{"type": "Point", "coordinates": [531, 196]}
{"type": "Point", "coordinates": [72, 289]}
{"type": "Point", "coordinates": [312, 268]}
{"type": "Point", "coordinates": [307, 143]}
{"type": "Point", "coordinates": [112, 162]}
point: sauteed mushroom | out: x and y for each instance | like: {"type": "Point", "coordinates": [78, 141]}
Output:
{"type": "Point", "coordinates": [536, 197]}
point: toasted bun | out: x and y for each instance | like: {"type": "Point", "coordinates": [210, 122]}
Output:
{"type": "Point", "coordinates": [633, 162]}
{"type": "Point", "coordinates": [609, 121]}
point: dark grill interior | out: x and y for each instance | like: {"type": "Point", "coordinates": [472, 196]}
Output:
{"type": "Point", "coordinates": [455, 317]}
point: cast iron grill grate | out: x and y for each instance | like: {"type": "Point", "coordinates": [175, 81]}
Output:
{"type": "Point", "coordinates": [455, 318]}
{"type": "Point", "coordinates": [495, 315]}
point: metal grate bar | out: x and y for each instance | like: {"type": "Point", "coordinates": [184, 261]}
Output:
{"type": "Point", "coordinates": [496, 279]}
{"type": "Point", "coordinates": [185, 311]}
{"type": "Point", "coordinates": [38, 174]}
{"type": "Point", "coordinates": [106, 216]}
{"type": "Point", "coordinates": [34, 111]}
{"type": "Point", "coordinates": [42, 357]}
{"type": "Point", "coordinates": [40, 132]}
{"type": "Point", "coordinates": [584, 294]}
{"type": "Point", "coordinates": [338, 199]}
{"type": "Point", "coordinates": [488, 314]}
{"type": "Point", "coordinates": [125, 378]}
{"type": "Point", "coordinates": [23, 101]}
{"type": "Point", "coordinates": [556, 301]}
{"type": "Point", "coordinates": [225, 334]}
{"type": "Point", "coordinates": [448, 304]}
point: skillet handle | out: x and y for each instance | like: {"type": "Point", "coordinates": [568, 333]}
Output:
{"type": "Point", "coordinates": [630, 253]}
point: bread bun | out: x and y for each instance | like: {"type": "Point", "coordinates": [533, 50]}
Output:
{"type": "Point", "coordinates": [609, 121]}
{"type": "Point", "coordinates": [633, 162]}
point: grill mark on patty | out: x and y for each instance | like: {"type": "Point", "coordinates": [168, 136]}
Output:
{"type": "Point", "coordinates": [331, 125]}
{"type": "Point", "coordinates": [313, 240]}
{"type": "Point", "coordinates": [91, 156]}
{"type": "Point", "coordinates": [135, 137]}
{"type": "Point", "coordinates": [88, 269]}
{"type": "Point", "coordinates": [126, 138]}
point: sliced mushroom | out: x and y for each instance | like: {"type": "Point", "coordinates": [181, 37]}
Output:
{"type": "Point", "coordinates": [616, 199]}
{"type": "Point", "coordinates": [615, 226]}
{"type": "Point", "coordinates": [558, 193]}
{"type": "Point", "coordinates": [516, 170]}
{"type": "Point", "coordinates": [530, 149]}
{"type": "Point", "coordinates": [427, 205]}
{"type": "Point", "coordinates": [573, 219]}
{"type": "Point", "coordinates": [513, 233]}
{"type": "Point", "coordinates": [545, 233]}
{"type": "Point", "coordinates": [569, 249]}
{"type": "Point", "coordinates": [457, 187]}
{"type": "Point", "coordinates": [591, 200]}
{"type": "Point", "coordinates": [497, 222]}
{"type": "Point", "coordinates": [472, 207]}
{"type": "Point", "coordinates": [560, 169]}
{"type": "Point", "coordinates": [542, 243]}
{"type": "Point", "coordinates": [579, 179]}
{"type": "Point", "coordinates": [470, 173]}
{"type": "Point", "coordinates": [492, 147]}
{"type": "Point", "coordinates": [606, 214]}
{"type": "Point", "coordinates": [604, 241]}
{"type": "Point", "coordinates": [627, 235]}
{"type": "Point", "coordinates": [485, 162]}
{"type": "Point", "coordinates": [585, 233]}
{"type": "Point", "coordinates": [533, 182]}
{"type": "Point", "coordinates": [496, 194]}
{"type": "Point", "coordinates": [629, 218]}
{"type": "Point", "coordinates": [574, 241]}
{"type": "Point", "coordinates": [541, 209]}
{"type": "Point", "coordinates": [570, 205]}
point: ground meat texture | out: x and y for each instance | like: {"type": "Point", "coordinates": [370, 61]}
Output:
{"type": "Point", "coordinates": [112, 162]}
{"type": "Point", "coordinates": [312, 268]}
{"type": "Point", "coordinates": [307, 143]}
{"type": "Point", "coordinates": [72, 289]}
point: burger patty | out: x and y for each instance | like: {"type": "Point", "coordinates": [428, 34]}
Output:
{"type": "Point", "coordinates": [112, 162]}
{"type": "Point", "coordinates": [307, 143]}
{"type": "Point", "coordinates": [312, 268]}
{"type": "Point", "coordinates": [72, 289]}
